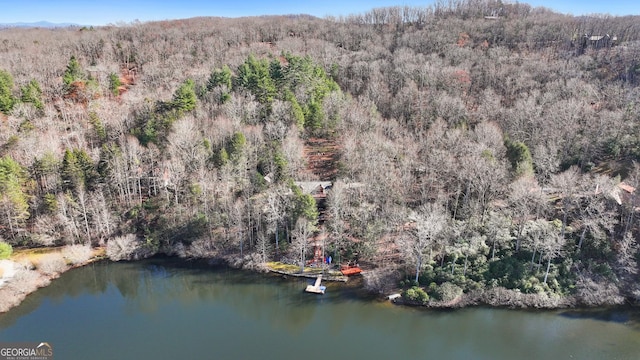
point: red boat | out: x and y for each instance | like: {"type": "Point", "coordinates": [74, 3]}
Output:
{"type": "Point", "coordinates": [350, 270]}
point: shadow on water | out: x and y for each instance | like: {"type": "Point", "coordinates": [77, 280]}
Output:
{"type": "Point", "coordinates": [336, 291]}
{"type": "Point", "coordinates": [154, 285]}
{"type": "Point", "coordinates": [198, 304]}
{"type": "Point", "coordinates": [627, 315]}
{"type": "Point", "coordinates": [72, 284]}
{"type": "Point", "coordinates": [159, 283]}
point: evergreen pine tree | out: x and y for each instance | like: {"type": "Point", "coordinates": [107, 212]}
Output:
{"type": "Point", "coordinates": [73, 72]}
{"type": "Point", "coordinates": [32, 94]}
{"type": "Point", "coordinates": [6, 96]}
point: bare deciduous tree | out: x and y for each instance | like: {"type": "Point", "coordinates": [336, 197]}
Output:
{"type": "Point", "coordinates": [427, 223]}
{"type": "Point", "coordinates": [300, 242]}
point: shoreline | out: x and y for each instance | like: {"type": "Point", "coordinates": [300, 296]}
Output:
{"type": "Point", "coordinates": [325, 277]}
{"type": "Point", "coordinates": [328, 274]}
{"type": "Point", "coordinates": [27, 280]}
{"type": "Point", "coordinates": [503, 298]}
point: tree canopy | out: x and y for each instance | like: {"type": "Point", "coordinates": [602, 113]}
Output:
{"type": "Point", "coordinates": [6, 92]}
{"type": "Point", "coordinates": [450, 153]}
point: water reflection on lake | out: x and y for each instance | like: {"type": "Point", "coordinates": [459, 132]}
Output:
{"type": "Point", "coordinates": [163, 309]}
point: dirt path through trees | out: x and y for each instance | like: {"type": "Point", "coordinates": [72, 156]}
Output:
{"type": "Point", "coordinates": [322, 158]}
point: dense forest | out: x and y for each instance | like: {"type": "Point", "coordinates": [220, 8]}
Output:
{"type": "Point", "coordinates": [472, 146]}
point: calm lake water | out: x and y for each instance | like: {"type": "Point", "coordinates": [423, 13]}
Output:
{"type": "Point", "coordinates": [162, 309]}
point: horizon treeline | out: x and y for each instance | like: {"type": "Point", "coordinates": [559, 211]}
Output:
{"type": "Point", "coordinates": [478, 144]}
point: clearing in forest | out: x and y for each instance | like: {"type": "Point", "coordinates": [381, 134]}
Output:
{"type": "Point", "coordinates": [322, 157]}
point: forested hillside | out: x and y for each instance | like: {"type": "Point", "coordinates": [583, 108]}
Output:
{"type": "Point", "coordinates": [474, 146]}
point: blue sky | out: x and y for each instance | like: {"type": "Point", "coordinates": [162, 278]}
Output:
{"type": "Point", "coordinates": [101, 12]}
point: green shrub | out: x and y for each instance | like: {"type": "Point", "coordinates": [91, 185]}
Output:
{"type": "Point", "coordinates": [508, 272]}
{"type": "Point", "coordinates": [448, 292]}
{"type": "Point", "coordinates": [26, 126]}
{"type": "Point", "coordinates": [410, 294]}
{"type": "Point", "coordinates": [416, 294]}
{"type": "Point", "coordinates": [5, 250]}
{"type": "Point", "coordinates": [531, 285]}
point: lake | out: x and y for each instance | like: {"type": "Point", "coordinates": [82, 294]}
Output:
{"type": "Point", "coordinates": [167, 309]}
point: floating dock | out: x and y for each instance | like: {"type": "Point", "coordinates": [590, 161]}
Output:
{"type": "Point", "coordinates": [392, 297]}
{"type": "Point", "coordinates": [316, 288]}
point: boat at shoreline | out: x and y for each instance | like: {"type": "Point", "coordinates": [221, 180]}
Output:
{"type": "Point", "coordinates": [349, 270]}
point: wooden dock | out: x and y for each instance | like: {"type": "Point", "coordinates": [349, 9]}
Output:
{"type": "Point", "coordinates": [312, 273]}
{"type": "Point", "coordinates": [316, 288]}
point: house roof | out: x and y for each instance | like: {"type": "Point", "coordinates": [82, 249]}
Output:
{"type": "Point", "coordinates": [309, 187]}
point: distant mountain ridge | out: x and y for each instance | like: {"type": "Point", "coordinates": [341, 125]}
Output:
{"type": "Point", "coordinates": [38, 24]}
